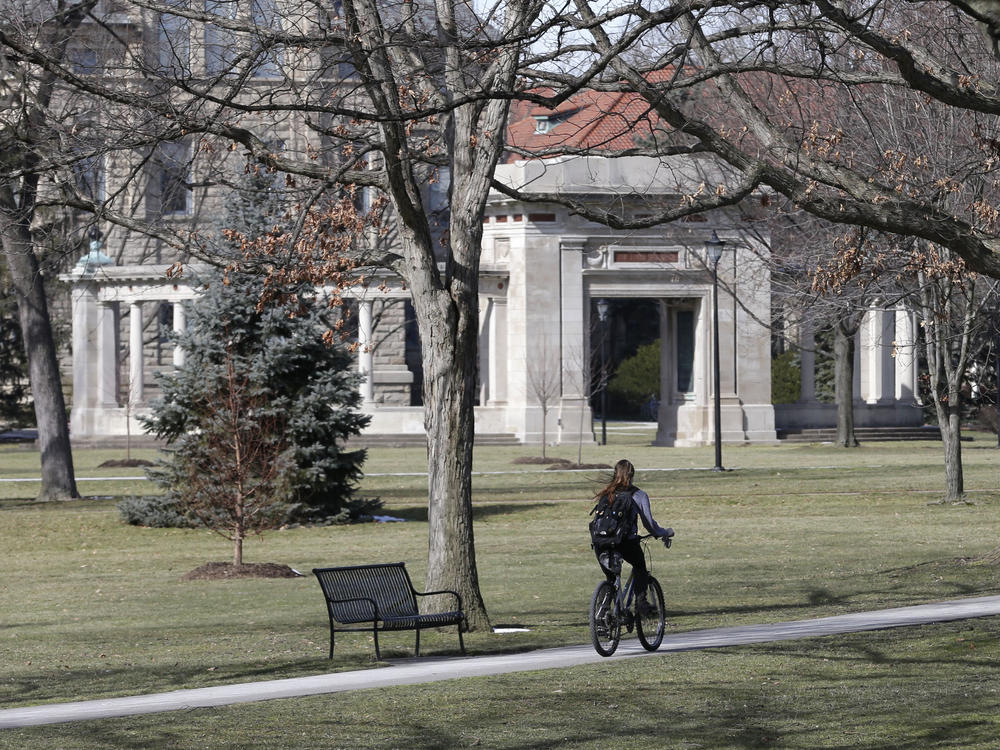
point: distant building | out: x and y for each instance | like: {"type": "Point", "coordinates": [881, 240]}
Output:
{"type": "Point", "coordinates": [544, 271]}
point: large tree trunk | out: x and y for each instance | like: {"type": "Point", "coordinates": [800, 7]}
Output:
{"type": "Point", "coordinates": [448, 325]}
{"type": "Point", "coordinates": [58, 480]}
{"type": "Point", "coordinates": [843, 364]}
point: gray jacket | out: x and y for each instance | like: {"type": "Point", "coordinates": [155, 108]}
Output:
{"type": "Point", "coordinates": [640, 509]}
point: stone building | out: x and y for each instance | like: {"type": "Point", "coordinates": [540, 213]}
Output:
{"type": "Point", "coordinates": [544, 269]}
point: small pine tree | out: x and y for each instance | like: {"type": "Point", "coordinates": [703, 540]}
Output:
{"type": "Point", "coordinates": [261, 402]}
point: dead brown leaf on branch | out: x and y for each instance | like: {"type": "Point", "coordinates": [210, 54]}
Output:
{"type": "Point", "coordinates": [316, 246]}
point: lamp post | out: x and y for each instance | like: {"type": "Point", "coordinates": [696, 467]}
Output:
{"type": "Point", "coordinates": [602, 315]}
{"type": "Point", "coordinates": [713, 248]}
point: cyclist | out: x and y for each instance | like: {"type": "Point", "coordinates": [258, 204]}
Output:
{"type": "Point", "coordinates": [630, 549]}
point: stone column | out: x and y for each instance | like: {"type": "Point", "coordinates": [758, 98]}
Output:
{"type": "Point", "coordinates": [729, 344]}
{"type": "Point", "coordinates": [701, 375]}
{"type": "Point", "coordinates": [366, 352]}
{"type": "Point", "coordinates": [84, 300]}
{"type": "Point", "coordinates": [666, 416]}
{"type": "Point", "coordinates": [107, 356]}
{"type": "Point", "coordinates": [180, 325]}
{"type": "Point", "coordinates": [485, 350]}
{"type": "Point", "coordinates": [668, 354]}
{"type": "Point", "coordinates": [906, 357]}
{"type": "Point", "coordinates": [498, 351]}
{"type": "Point", "coordinates": [876, 357]}
{"type": "Point", "coordinates": [136, 382]}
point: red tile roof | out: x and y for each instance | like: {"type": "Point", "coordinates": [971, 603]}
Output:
{"type": "Point", "coordinates": [600, 121]}
{"type": "Point", "coordinates": [591, 120]}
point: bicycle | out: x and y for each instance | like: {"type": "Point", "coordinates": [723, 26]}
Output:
{"type": "Point", "coordinates": [611, 609]}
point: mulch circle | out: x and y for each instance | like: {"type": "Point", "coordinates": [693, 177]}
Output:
{"type": "Point", "coordinates": [578, 466]}
{"type": "Point", "coordinates": [556, 464]}
{"type": "Point", "coordinates": [215, 571]}
{"type": "Point", "coordinates": [539, 460]}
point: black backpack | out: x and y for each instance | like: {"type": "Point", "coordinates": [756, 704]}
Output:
{"type": "Point", "coordinates": [609, 525]}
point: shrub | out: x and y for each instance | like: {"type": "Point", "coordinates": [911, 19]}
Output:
{"type": "Point", "coordinates": [786, 379]}
{"type": "Point", "coordinates": [154, 511]}
{"type": "Point", "coordinates": [160, 512]}
{"type": "Point", "coordinates": [638, 377]}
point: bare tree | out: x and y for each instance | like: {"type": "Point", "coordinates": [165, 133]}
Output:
{"type": "Point", "coordinates": [951, 303]}
{"type": "Point", "coordinates": [585, 375]}
{"type": "Point", "coordinates": [235, 482]}
{"type": "Point", "coordinates": [544, 383]}
{"type": "Point", "coordinates": [31, 128]}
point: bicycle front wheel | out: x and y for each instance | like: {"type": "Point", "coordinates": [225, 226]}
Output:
{"type": "Point", "coordinates": [605, 628]}
{"type": "Point", "coordinates": [651, 623]}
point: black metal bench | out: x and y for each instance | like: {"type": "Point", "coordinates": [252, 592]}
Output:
{"type": "Point", "coordinates": [383, 596]}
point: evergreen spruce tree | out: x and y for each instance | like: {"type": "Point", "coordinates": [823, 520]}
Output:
{"type": "Point", "coordinates": [257, 418]}
{"type": "Point", "coordinates": [269, 377]}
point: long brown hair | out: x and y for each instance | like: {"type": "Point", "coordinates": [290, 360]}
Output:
{"type": "Point", "coordinates": [621, 481]}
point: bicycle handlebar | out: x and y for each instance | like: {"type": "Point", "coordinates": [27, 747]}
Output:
{"type": "Point", "coordinates": [667, 538]}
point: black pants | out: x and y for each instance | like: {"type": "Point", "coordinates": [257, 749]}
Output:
{"type": "Point", "coordinates": [631, 552]}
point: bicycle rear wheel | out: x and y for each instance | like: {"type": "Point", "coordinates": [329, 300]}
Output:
{"type": "Point", "coordinates": [605, 628]}
{"type": "Point", "coordinates": [651, 624]}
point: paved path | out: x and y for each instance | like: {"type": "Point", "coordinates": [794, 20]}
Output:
{"type": "Point", "coordinates": [414, 671]}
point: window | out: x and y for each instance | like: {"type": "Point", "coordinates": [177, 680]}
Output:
{"type": "Point", "coordinates": [547, 122]}
{"type": "Point", "coordinates": [174, 42]}
{"type": "Point", "coordinates": [170, 185]}
{"type": "Point", "coordinates": [264, 14]}
{"type": "Point", "coordinates": [220, 43]}
{"type": "Point", "coordinates": [223, 46]}
{"type": "Point", "coordinates": [84, 61]}
{"type": "Point", "coordinates": [88, 175]}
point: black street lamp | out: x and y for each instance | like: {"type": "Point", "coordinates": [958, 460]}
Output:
{"type": "Point", "coordinates": [602, 315]}
{"type": "Point", "coordinates": [713, 248]}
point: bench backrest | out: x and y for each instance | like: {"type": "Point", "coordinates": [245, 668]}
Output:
{"type": "Point", "coordinates": [388, 584]}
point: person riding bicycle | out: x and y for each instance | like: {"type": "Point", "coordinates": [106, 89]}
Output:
{"type": "Point", "coordinates": [629, 548]}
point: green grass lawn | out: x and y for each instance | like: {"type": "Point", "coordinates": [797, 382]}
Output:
{"type": "Point", "coordinates": [92, 608]}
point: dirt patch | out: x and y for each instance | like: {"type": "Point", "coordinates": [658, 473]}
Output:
{"type": "Point", "coordinates": [540, 460]}
{"type": "Point", "coordinates": [215, 571]}
{"type": "Point", "coordinates": [119, 462]}
{"type": "Point", "coordinates": [580, 466]}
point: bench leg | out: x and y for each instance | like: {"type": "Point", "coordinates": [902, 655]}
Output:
{"type": "Point", "coordinates": [461, 643]}
{"type": "Point", "coordinates": [378, 654]}
{"type": "Point", "coordinates": [331, 640]}
{"type": "Point", "coordinates": [416, 650]}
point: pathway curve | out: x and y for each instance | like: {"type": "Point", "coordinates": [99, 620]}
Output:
{"type": "Point", "coordinates": [423, 670]}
